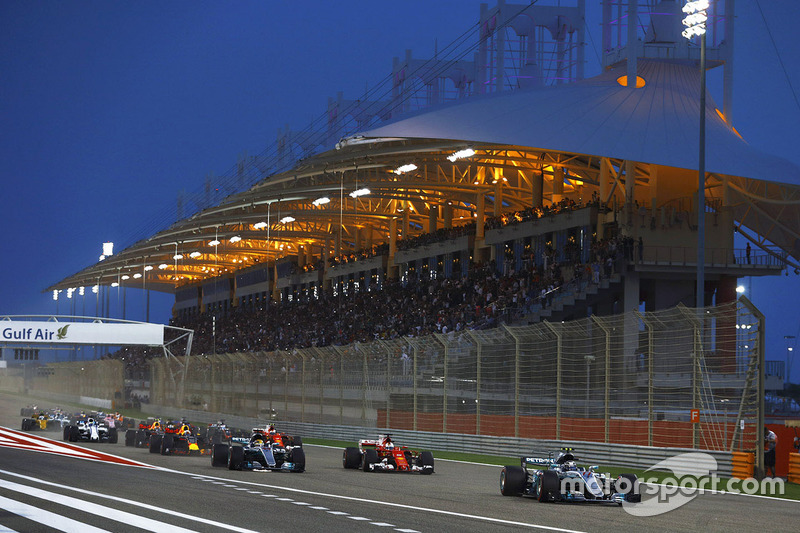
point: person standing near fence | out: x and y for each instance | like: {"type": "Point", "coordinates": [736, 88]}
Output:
{"type": "Point", "coordinates": [770, 442]}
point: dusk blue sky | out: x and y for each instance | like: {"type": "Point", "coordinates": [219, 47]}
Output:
{"type": "Point", "coordinates": [109, 109]}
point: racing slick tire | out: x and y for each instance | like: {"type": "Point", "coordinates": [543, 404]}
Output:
{"type": "Point", "coordinates": [26, 424]}
{"type": "Point", "coordinates": [630, 488]}
{"type": "Point", "coordinates": [425, 459]}
{"type": "Point", "coordinates": [351, 457]}
{"type": "Point", "coordinates": [130, 437]}
{"type": "Point", "coordinates": [66, 433]}
{"type": "Point", "coordinates": [141, 438]}
{"type": "Point", "coordinates": [235, 458]}
{"type": "Point", "coordinates": [297, 441]}
{"type": "Point", "coordinates": [113, 436]}
{"type": "Point", "coordinates": [548, 487]}
{"type": "Point", "coordinates": [370, 457]}
{"type": "Point", "coordinates": [74, 434]}
{"type": "Point", "coordinates": [155, 443]}
{"type": "Point", "coordinates": [167, 444]}
{"type": "Point", "coordinates": [219, 455]}
{"type": "Point", "coordinates": [298, 457]}
{"type": "Point", "coordinates": [512, 480]}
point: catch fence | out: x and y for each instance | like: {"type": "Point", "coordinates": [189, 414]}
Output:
{"type": "Point", "coordinates": [674, 378]}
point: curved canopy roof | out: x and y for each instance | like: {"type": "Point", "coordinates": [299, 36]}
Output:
{"type": "Point", "coordinates": [656, 124]}
{"type": "Point", "coordinates": [517, 136]}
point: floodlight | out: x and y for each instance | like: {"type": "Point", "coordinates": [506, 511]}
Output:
{"type": "Point", "coordinates": [359, 192]}
{"type": "Point", "coordinates": [235, 238]}
{"type": "Point", "coordinates": [405, 168]}
{"type": "Point", "coordinates": [286, 220]}
{"type": "Point", "coordinates": [259, 225]}
{"type": "Point", "coordinates": [461, 154]}
{"type": "Point", "coordinates": [215, 242]}
{"type": "Point", "coordinates": [321, 201]}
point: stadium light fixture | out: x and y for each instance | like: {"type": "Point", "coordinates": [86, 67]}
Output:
{"type": "Point", "coordinates": [95, 289]}
{"type": "Point", "coordinates": [102, 258]}
{"type": "Point", "coordinates": [695, 19]}
{"type": "Point", "coordinates": [461, 154]}
{"type": "Point", "coordinates": [195, 254]}
{"type": "Point", "coordinates": [405, 168]}
{"type": "Point", "coordinates": [125, 277]}
{"type": "Point", "coordinates": [135, 276]}
{"type": "Point", "coordinates": [69, 292]}
{"type": "Point", "coordinates": [148, 268]}
{"type": "Point", "coordinates": [55, 295]}
{"type": "Point", "coordinates": [287, 219]}
{"type": "Point", "coordinates": [115, 284]}
{"type": "Point", "coordinates": [177, 256]}
{"type": "Point", "coordinates": [235, 238]}
{"type": "Point", "coordinates": [360, 192]}
{"type": "Point", "coordinates": [81, 290]}
{"type": "Point", "coordinates": [321, 201]}
{"type": "Point", "coordinates": [163, 266]}
{"type": "Point", "coordinates": [740, 289]}
{"type": "Point", "coordinates": [108, 248]}
{"type": "Point", "coordinates": [259, 225]}
{"type": "Point", "coordinates": [215, 242]}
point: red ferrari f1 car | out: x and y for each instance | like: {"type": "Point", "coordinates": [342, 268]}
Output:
{"type": "Point", "coordinates": [383, 455]}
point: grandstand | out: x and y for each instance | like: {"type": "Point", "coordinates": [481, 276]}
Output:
{"type": "Point", "coordinates": [496, 160]}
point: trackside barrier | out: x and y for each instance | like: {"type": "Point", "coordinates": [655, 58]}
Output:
{"type": "Point", "coordinates": [603, 455]}
{"type": "Point", "coordinates": [742, 464]}
{"type": "Point", "coordinates": [794, 468]}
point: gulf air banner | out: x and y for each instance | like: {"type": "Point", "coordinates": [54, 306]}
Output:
{"type": "Point", "coordinates": [81, 333]}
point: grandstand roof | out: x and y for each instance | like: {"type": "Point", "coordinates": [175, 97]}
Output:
{"type": "Point", "coordinates": [568, 126]}
{"type": "Point", "coordinates": [655, 124]}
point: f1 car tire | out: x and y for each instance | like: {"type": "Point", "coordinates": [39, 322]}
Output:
{"type": "Point", "coordinates": [167, 443]}
{"type": "Point", "coordinates": [512, 480]}
{"type": "Point", "coordinates": [113, 436]}
{"type": "Point", "coordinates": [297, 441]}
{"type": "Point", "coordinates": [66, 433]}
{"type": "Point", "coordinates": [351, 457]}
{"type": "Point", "coordinates": [74, 434]}
{"type": "Point", "coordinates": [141, 438]}
{"type": "Point", "coordinates": [130, 437]}
{"type": "Point", "coordinates": [235, 458]}
{"type": "Point", "coordinates": [425, 459]}
{"type": "Point", "coordinates": [219, 455]}
{"type": "Point", "coordinates": [630, 488]}
{"type": "Point", "coordinates": [548, 487]}
{"type": "Point", "coordinates": [370, 457]}
{"type": "Point", "coordinates": [26, 424]}
{"type": "Point", "coordinates": [298, 457]}
{"type": "Point", "coordinates": [155, 443]}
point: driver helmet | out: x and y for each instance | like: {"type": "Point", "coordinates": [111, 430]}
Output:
{"type": "Point", "coordinates": [90, 421]}
{"type": "Point", "coordinates": [570, 465]}
{"type": "Point", "coordinates": [271, 429]}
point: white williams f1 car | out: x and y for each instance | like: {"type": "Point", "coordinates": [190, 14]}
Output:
{"type": "Point", "coordinates": [89, 429]}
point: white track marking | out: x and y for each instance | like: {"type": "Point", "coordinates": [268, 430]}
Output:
{"type": "Point", "coordinates": [134, 503]}
{"type": "Point", "coordinates": [104, 511]}
{"type": "Point", "coordinates": [359, 518]}
{"type": "Point", "coordinates": [403, 506]}
{"type": "Point", "coordinates": [56, 521]}
{"type": "Point", "coordinates": [381, 524]}
{"type": "Point", "coordinates": [4, 529]}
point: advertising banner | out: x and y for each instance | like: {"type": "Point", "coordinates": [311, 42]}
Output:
{"type": "Point", "coordinates": [52, 333]}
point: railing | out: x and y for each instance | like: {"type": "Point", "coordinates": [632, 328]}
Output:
{"type": "Point", "coordinates": [687, 256]}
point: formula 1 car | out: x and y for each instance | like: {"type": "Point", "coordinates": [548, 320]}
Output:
{"type": "Point", "coordinates": [265, 450]}
{"type": "Point", "coordinates": [382, 455]}
{"type": "Point", "coordinates": [89, 429]}
{"type": "Point", "coordinates": [179, 438]}
{"type": "Point", "coordinates": [140, 438]}
{"type": "Point", "coordinates": [53, 420]}
{"type": "Point", "coordinates": [560, 479]}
